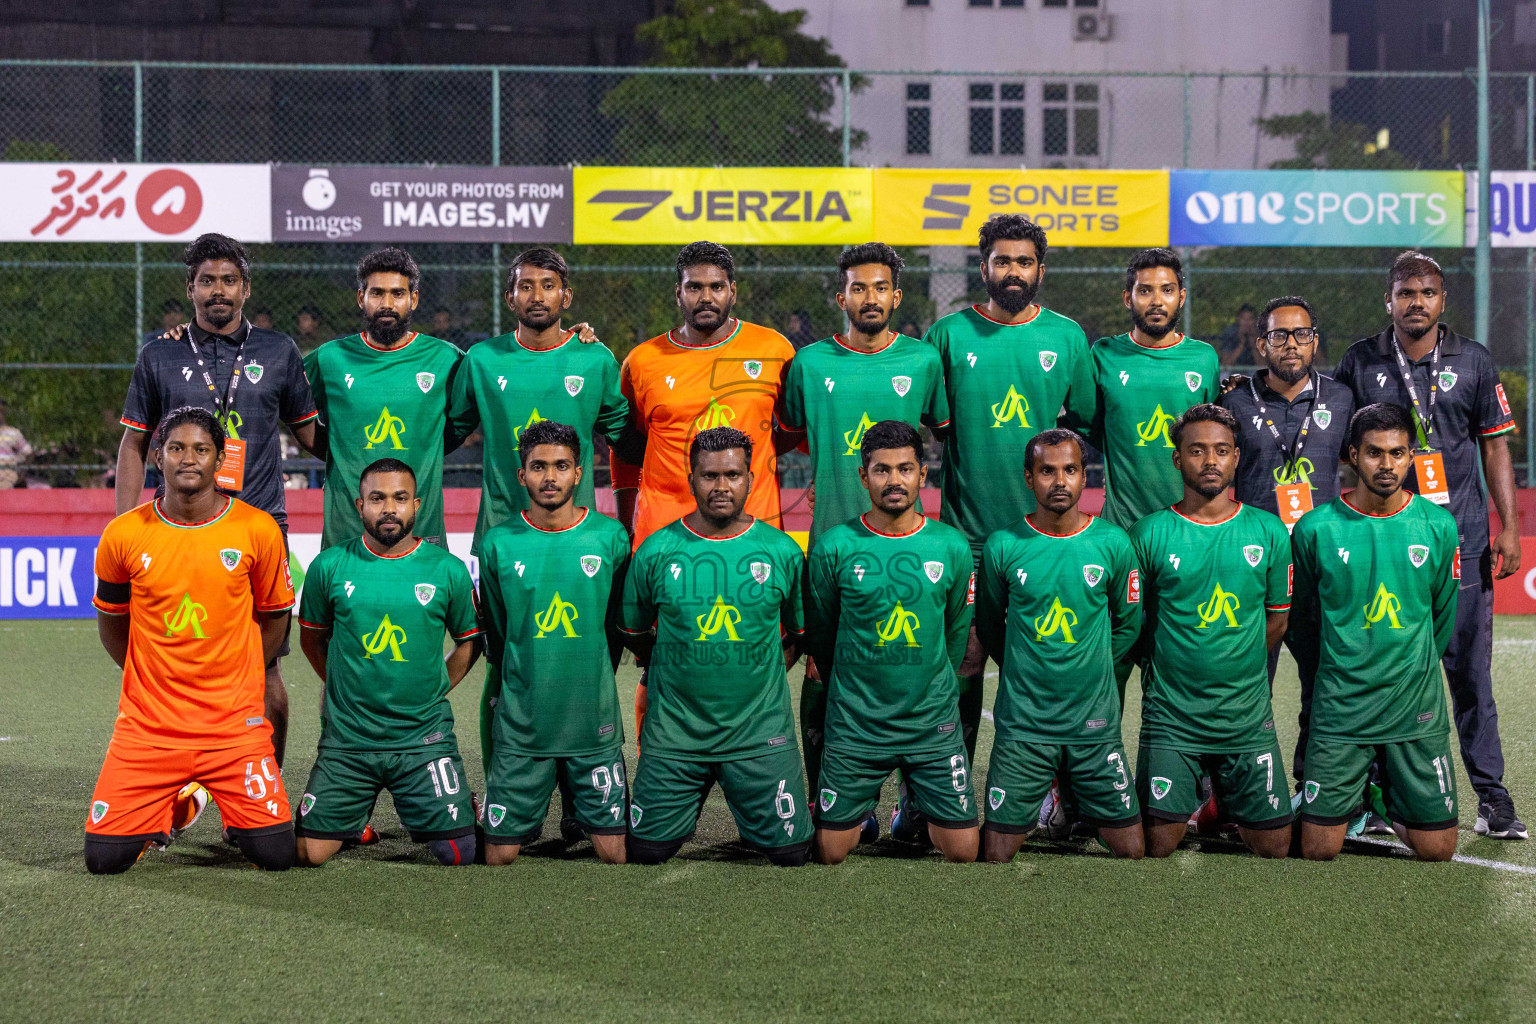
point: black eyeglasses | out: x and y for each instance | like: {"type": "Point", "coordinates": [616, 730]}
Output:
{"type": "Point", "coordinates": [1303, 336]}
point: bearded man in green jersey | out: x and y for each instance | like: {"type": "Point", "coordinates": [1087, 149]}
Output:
{"type": "Point", "coordinates": [383, 393]}
{"type": "Point", "coordinates": [1216, 581]}
{"type": "Point", "coordinates": [715, 600]}
{"type": "Point", "coordinates": [1377, 574]}
{"type": "Point", "coordinates": [1058, 605]}
{"type": "Point", "coordinates": [550, 581]}
{"type": "Point", "coordinates": [888, 611]}
{"type": "Point", "coordinates": [373, 615]}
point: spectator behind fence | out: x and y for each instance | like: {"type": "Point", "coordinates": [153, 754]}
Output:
{"type": "Point", "coordinates": [310, 333]}
{"type": "Point", "coordinates": [798, 330]}
{"type": "Point", "coordinates": [14, 450]}
{"type": "Point", "coordinates": [1237, 344]}
{"type": "Point", "coordinates": [172, 312]}
{"type": "Point", "coordinates": [262, 318]}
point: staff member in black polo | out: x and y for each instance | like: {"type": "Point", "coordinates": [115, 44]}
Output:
{"type": "Point", "coordinates": [1451, 387]}
{"type": "Point", "coordinates": [250, 378]}
{"type": "Point", "coordinates": [1294, 426]}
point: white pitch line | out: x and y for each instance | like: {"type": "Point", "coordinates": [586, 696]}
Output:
{"type": "Point", "coordinates": [1498, 865]}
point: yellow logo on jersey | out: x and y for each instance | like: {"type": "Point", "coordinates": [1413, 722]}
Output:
{"type": "Point", "coordinates": [1384, 605]}
{"type": "Point", "coordinates": [1058, 618]}
{"type": "Point", "coordinates": [1222, 603]}
{"type": "Point", "coordinates": [897, 626]}
{"type": "Point", "coordinates": [1013, 407]}
{"type": "Point", "coordinates": [720, 616]}
{"type": "Point", "coordinates": [1156, 426]}
{"type": "Point", "coordinates": [559, 615]}
{"type": "Point", "coordinates": [855, 437]}
{"type": "Point", "coordinates": [188, 613]}
{"type": "Point", "coordinates": [1300, 473]}
{"type": "Point", "coordinates": [533, 417]}
{"type": "Point", "coordinates": [232, 421]}
{"type": "Point", "coordinates": [716, 415]}
{"type": "Point", "coordinates": [387, 637]}
{"type": "Point", "coordinates": [385, 428]}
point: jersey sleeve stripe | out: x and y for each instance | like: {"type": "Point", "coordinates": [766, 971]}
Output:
{"type": "Point", "coordinates": [938, 426]}
{"type": "Point", "coordinates": [108, 607]}
{"type": "Point", "coordinates": [304, 419]}
{"type": "Point", "coordinates": [1278, 607]}
{"type": "Point", "coordinates": [313, 625]}
{"type": "Point", "coordinates": [633, 632]}
{"type": "Point", "coordinates": [1496, 431]}
{"type": "Point", "coordinates": [465, 636]}
{"type": "Point", "coordinates": [275, 607]}
{"type": "Point", "coordinates": [125, 421]}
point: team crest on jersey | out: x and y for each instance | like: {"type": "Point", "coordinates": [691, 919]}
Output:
{"type": "Point", "coordinates": [307, 804]}
{"type": "Point", "coordinates": [1193, 379]}
{"type": "Point", "coordinates": [98, 811]}
{"type": "Point", "coordinates": [754, 367]}
{"type": "Point", "coordinates": [1447, 380]}
{"type": "Point", "coordinates": [1047, 360]}
{"type": "Point", "coordinates": [1310, 790]}
{"type": "Point", "coordinates": [995, 797]}
{"type": "Point", "coordinates": [828, 798]}
{"type": "Point", "coordinates": [590, 564]}
{"type": "Point", "coordinates": [253, 371]}
{"type": "Point", "coordinates": [425, 380]}
{"type": "Point", "coordinates": [229, 558]}
{"type": "Point", "coordinates": [1322, 417]}
{"type": "Point", "coordinates": [424, 592]}
{"type": "Point", "coordinates": [1252, 553]}
{"type": "Point", "coordinates": [1092, 574]}
{"type": "Point", "coordinates": [495, 814]}
{"type": "Point", "coordinates": [933, 570]}
{"type": "Point", "coordinates": [573, 385]}
{"type": "Point", "coordinates": [902, 386]}
{"type": "Point", "coordinates": [1417, 553]}
{"type": "Point", "coordinates": [1160, 787]}
{"type": "Point", "coordinates": [761, 571]}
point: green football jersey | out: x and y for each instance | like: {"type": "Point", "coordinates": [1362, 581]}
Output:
{"type": "Point", "coordinates": [1381, 593]}
{"type": "Point", "coordinates": [1058, 613]}
{"type": "Point", "coordinates": [1206, 589]}
{"type": "Point", "coordinates": [716, 686]}
{"type": "Point", "coordinates": [548, 597]}
{"type": "Point", "coordinates": [1141, 393]}
{"type": "Point", "coordinates": [379, 404]}
{"type": "Point", "coordinates": [1006, 383]}
{"type": "Point", "coordinates": [501, 387]}
{"type": "Point", "coordinates": [835, 393]}
{"type": "Point", "coordinates": [386, 686]}
{"type": "Point", "coordinates": [889, 615]}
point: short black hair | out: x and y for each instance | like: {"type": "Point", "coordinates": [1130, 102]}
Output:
{"type": "Point", "coordinates": [1381, 416]}
{"type": "Point", "coordinates": [858, 255]}
{"type": "Point", "coordinates": [718, 439]}
{"type": "Point", "coordinates": [1158, 256]}
{"type": "Point", "coordinates": [1205, 412]}
{"type": "Point", "coordinates": [308, 310]}
{"type": "Point", "coordinates": [195, 415]}
{"type": "Point", "coordinates": [172, 306]}
{"type": "Point", "coordinates": [385, 466]}
{"type": "Point", "coordinates": [700, 253]}
{"type": "Point", "coordinates": [1413, 263]}
{"type": "Point", "coordinates": [1281, 303]}
{"type": "Point", "coordinates": [1050, 439]}
{"type": "Point", "coordinates": [547, 432]}
{"type": "Point", "coordinates": [544, 258]}
{"type": "Point", "coordinates": [889, 435]}
{"type": "Point", "coordinates": [389, 260]}
{"type": "Point", "coordinates": [1014, 227]}
{"type": "Point", "coordinates": [214, 246]}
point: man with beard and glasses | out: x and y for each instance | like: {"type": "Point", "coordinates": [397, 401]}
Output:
{"type": "Point", "coordinates": [250, 379]}
{"type": "Point", "coordinates": [1462, 422]}
{"type": "Point", "coordinates": [1379, 568]}
{"type": "Point", "coordinates": [384, 393]}
{"type": "Point", "coordinates": [1216, 592]}
{"type": "Point", "coordinates": [374, 613]}
{"type": "Point", "coordinates": [1012, 368]}
{"type": "Point", "coordinates": [1293, 428]}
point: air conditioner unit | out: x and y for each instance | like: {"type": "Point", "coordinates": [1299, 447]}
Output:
{"type": "Point", "coordinates": [1091, 25]}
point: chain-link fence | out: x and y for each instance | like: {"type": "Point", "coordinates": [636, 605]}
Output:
{"type": "Point", "coordinates": [72, 313]}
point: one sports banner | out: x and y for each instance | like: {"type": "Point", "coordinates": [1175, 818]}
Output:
{"type": "Point", "coordinates": [77, 202]}
{"type": "Point", "coordinates": [1385, 208]}
{"type": "Point", "coordinates": [947, 207]}
{"type": "Point", "coordinates": [732, 205]}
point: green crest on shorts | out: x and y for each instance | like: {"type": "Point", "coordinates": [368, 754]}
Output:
{"type": "Point", "coordinates": [995, 797]}
{"type": "Point", "coordinates": [1311, 790]}
{"type": "Point", "coordinates": [1160, 787]}
{"type": "Point", "coordinates": [494, 814]}
{"type": "Point", "coordinates": [306, 804]}
{"type": "Point", "coordinates": [828, 798]}
{"type": "Point", "coordinates": [98, 811]}
{"type": "Point", "coordinates": [635, 813]}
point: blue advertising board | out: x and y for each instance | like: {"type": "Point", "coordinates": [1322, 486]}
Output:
{"type": "Point", "coordinates": [47, 577]}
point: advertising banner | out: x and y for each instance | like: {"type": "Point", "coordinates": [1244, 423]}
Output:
{"type": "Point", "coordinates": [731, 205]}
{"type": "Point", "coordinates": [49, 202]}
{"type": "Point", "coordinates": [1387, 208]}
{"type": "Point", "coordinates": [938, 207]}
{"type": "Point", "coordinates": [1511, 212]}
{"type": "Point", "coordinates": [420, 204]}
{"type": "Point", "coordinates": [47, 577]}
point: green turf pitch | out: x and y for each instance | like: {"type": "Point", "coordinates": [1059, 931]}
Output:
{"type": "Point", "coordinates": [1064, 933]}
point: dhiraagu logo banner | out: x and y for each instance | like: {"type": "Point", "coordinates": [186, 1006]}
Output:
{"type": "Point", "coordinates": [1387, 208]}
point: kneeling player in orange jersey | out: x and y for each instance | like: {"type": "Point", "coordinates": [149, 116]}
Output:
{"type": "Point", "coordinates": [192, 600]}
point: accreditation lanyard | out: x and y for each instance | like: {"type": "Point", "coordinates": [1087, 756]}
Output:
{"type": "Point", "coordinates": [1291, 455]}
{"type": "Point", "coordinates": [1424, 422]}
{"type": "Point", "coordinates": [231, 472]}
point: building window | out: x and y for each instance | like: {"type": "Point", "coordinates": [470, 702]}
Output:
{"type": "Point", "coordinates": [1069, 119]}
{"type": "Point", "coordinates": [1010, 119]}
{"type": "Point", "coordinates": [1010, 3]}
{"type": "Point", "coordinates": [1053, 3]}
{"type": "Point", "coordinates": [1437, 38]}
{"type": "Point", "coordinates": [919, 119]}
{"type": "Point", "coordinates": [981, 3]}
{"type": "Point", "coordinates": [917, 3]}
{"type": "Point", "coordinates": [1084, 3]}
{"type": "Point", "coordinates": [996, 118]}
{"type": "Point", "coordinates": [983, 112]}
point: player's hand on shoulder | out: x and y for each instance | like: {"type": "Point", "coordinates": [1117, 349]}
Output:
{"type": "Point", "coordinates": [585, 334]}
{"type": "Point", "coordinates": [1232, 382]}
{"type": "Point", "coordinates": [176, 333]}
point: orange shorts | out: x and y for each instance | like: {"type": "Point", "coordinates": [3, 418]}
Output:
{"type": "Point", "coordinates": [136, 790]}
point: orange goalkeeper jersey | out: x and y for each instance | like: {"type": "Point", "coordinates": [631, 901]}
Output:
{"type": "Point", "coordinates": [676, 390]}
{"type": "Point", "coordinates": [194, 676]}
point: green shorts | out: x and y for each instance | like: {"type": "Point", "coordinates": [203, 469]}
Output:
{"type": "Point", "coordinates": [428, 787]}
{"type": "Point", "coordinates": [1418, 781]}
{"type": "Point", "coordinates": [939, 781]}
{"type": "Point", "coordinates": [518, 788]}
{"type": "Point", "coordinates": [766, 795]}
{"type": "Point", "coordinates": [1094, 778]}
{"type": "Point", "coordinates": [1250, 787]}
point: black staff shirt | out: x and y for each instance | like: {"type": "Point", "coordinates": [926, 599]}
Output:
{"type": "Point", "coordinates": [1324, 405]}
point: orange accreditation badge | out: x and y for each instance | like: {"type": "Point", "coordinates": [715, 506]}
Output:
{"type": "Point", "coordinates": [1429, 472]}
{"type": "Point", "coordinates": [231, 475]}
{"type": "Point", "coordinates": [1294, 501]}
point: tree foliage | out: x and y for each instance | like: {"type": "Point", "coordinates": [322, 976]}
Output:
{"type": "Point", "coordinates": [1322, 142]}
